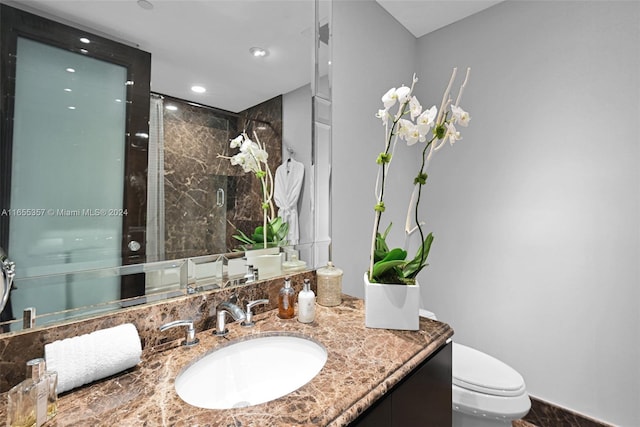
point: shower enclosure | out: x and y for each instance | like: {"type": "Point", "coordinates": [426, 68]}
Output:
{"type": "Point", "coordinates": [72, 171]}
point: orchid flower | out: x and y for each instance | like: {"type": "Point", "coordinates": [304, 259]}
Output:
{"type": "Point", "coordinates": [253, 157]}
{"type": "Point", "coordinates": [237, 141]}
{"type": "Point", "coordinates": [434, 127]}
{"type": "Point", "coordinates": [389, 99]}
{"type": "Point", "coordinates": [394, 95]}
{"type": "Point", "coordinates": [384, 116]}
{"type": "Point", "coordinates": [452, 134]}
{"type": "Point", "coordinates": [403, 94]}
{"type": "Point", "coordinates": [460, 116]}
{"type": "Point", "coordinates": [413, 134]}
{"type": "Point", "coordinates": [414, 107]}
{"type": "Point", "coordinates": [427, 119]}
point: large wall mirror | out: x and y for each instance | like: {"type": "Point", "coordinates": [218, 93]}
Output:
{"type": "Point", "coordinates": [99, 208]}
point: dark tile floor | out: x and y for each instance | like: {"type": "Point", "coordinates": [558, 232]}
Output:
{"type": "Point", "coordinates": [543, 414]}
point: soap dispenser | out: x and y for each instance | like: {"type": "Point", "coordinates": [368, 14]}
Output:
{"type": "Point", "coordinates": [286, 300]}
{"type": "Point", "coordinates": [306, 303]}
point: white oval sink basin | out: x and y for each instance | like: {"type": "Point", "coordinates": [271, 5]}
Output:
{"type": "Point", "coordinates": [251, 371]}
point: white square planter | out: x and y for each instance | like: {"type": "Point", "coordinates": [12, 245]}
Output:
{"type": "Point", "coordinates": [391, 306]}
{"type": "Point", "coordinates": [267, 261]}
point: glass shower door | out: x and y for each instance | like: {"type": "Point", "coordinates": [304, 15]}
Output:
{"type": "Point", "coordinates": [67, 212]}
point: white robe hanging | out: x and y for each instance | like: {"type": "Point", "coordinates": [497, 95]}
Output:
{"type": "Point", "coordinates": [288, 182]}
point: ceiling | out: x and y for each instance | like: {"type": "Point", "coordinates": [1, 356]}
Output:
{"type": "Point", "coordinates": [421, 17]}
{"type": "Point", "coordinates": [207, 42]}
{"type": "Point", "coordinates": [204, 42]}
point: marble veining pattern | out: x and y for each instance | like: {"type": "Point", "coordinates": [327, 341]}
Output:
{"type": "Point", "coordinates": [193, 139]}
{"type": "Point", "coordinates": [362, 365]}
{"type": "Point", "coordinates": [18, 347]}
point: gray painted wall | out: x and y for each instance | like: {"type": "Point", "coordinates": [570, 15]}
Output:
{"type": "Point", "coordinates": [536, 211]}
{"type": "Point", "coordinates": [371, 54]}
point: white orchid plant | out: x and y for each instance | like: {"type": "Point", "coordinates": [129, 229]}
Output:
{"type": "Point", "coordinates": [253, 158]}
{"type": "Point", "coordinates": [432, 127]}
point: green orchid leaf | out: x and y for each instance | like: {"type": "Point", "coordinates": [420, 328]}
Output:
{"type": "Point", "coordinates": [277, 232]}
{"type": "Point", "coordinates": [243, 238]}
{"type": "Point", "coordinates": [379, 255]}
{"type": "Point", "coordinates": [396, 254]}
{"type": "Point", "coordinates": [381, 267]}
{"type": "Point", "coordinates": [414, 267]}
{"type": "Point", "coordinates": [395, 258]}
{"type": "Point", "coordinates": [381, 249]}
{"type": "Point", "coordinates": [386, 232]}
{"type": "Point", "coordinates": [282, 232]}
{"type": "Point", "coordinates": [276, 223]}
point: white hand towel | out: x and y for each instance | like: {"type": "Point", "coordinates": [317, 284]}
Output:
{"type": "Point", "coordinates": [86, 358]}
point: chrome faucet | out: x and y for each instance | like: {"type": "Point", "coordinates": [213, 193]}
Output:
{"type": "Point", "coordinates": [190, 338]}
{"type": "Point", "coordinates": [249, 318]}
{"type": "Point", "coordinates": [8, 273]}
{"type": "Point", "coordinates": [222, 309]}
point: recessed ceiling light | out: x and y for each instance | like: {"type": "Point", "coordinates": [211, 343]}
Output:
{"type": "Point", "coordinates": [84, 51]}
{"type": "Point", "coordinates": [198, 89]}
{"type": "Point", "coordinates": [145, 4]}
{"type": "Point", "coordinates": [85, 40]}
{"type": "Point", "coordinates": [258, 52]}
{"type": "Point", "coordinates": [71, 107]}
{"type": "Point", "coordinates": [118, 100]}
{"type": "Point", "coordinates": [70, 70]}
{"type": "Point", "coordinates": [171, 107]}
{"type": "Point", "coordinates": [66, 89]}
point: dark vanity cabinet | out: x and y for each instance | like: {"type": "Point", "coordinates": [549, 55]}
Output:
{"type": "Point", "coordinates": [421, 399]}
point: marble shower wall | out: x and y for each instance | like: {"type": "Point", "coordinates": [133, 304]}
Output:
{"type": "Point", "coordinates": [244, 212]}
{"type": "Point", "coordinates": [195, 177]}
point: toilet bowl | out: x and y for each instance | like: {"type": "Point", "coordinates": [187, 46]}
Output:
{"type": "Point", "coordinates": [486, 391]}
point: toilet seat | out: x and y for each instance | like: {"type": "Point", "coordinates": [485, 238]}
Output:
{"type": "Point", "coordinates": [485, 386]}
{"type": "Point", "coordinates": [477, 371]}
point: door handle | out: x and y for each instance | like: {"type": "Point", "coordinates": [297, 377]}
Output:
{"type": "Point", "coordinates": [220, 197]}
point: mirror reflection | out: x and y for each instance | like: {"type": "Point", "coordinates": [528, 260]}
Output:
{"type": "Point", "coordinates": [185, 200]}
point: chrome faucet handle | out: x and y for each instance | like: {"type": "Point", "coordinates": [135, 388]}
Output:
{"type": "Point", "coordinates": [222, 309]}
{"type": "Point", "coordinates": [8, 274]}
{"type": "Point", "coordinates": [190, 338]}
{"type": "Point", "coordinates": [221, 329]}
{"type": "Point", "coordinates": [249, 320]}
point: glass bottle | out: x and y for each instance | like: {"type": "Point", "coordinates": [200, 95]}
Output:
{"type": "Point", "coordinates": [52, 397]}
{"type": "Point", "coordinates": [36, 370]}
{"type": "Point", "coordinates": [21, 405]}
{"type": "Point", "coordinates": [286, 300]}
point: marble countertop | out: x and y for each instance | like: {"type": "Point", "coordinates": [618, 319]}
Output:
{"type": "Point", "coordinates": [362, 365]}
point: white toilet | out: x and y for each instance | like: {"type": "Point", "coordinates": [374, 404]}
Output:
{"type": "Point", "coordinates": [486, 391]}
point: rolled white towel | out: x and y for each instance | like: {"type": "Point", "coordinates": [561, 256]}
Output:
{"type": "Point", "coordinates": [86, 358]}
